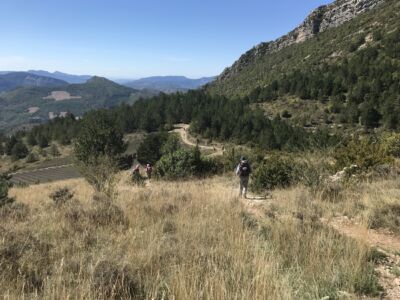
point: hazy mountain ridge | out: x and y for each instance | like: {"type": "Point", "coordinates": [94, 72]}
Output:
{"type": "Point", "coordinates": [70, 78]}
{"type": "Point", "coordinates": [12, 80]}
{"type": "Point", "coordinates": [168, 84]}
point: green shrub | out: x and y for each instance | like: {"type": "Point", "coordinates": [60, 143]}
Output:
{"type": "Point", "coordinates": [183, 164]}
{"type": "Point", "coordinates": [42, 152]}
{"type": "Point", "coordinates": [171, 145]}
{"type": "Point", "coordinates": [54, 150]}
{"type": "Point", "coordinates": [286, 115]}
{"type": "Point", "coordinates": [150, 150]}
{"type": "Point", "coordinates": [31, 158]}
{"type": "Point", "coordinates": [4, 199]}
{"type": "Point", "coordinates": [19, 151]}
{"type": "Point", "coordinates": [231, 157]}
{"type": "Point", "coordinates": [274, 172]}
{"type": "Point", "coordinates": [100, 173]}
{"type": "Point", "coordinates": [368, 283]}
{"type": "Point", "coordinates": [100, 136]}
{"type": "Point", "coordinates": [365, 153]}
{"type": "Point", "coordinates": [391, 144]}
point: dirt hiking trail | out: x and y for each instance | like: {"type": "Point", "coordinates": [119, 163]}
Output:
{"type": "Point", "coordinates": [387, 268]}
{"type": "Point", "coordinates": [385, 242]}
{"type": "Point", "coordinates": [182, 130]}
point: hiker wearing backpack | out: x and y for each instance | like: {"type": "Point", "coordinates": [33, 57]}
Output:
{"type": "Point", "coordinates": [243, 170]}
{"type": "Point", "coordinates": [149, 170]}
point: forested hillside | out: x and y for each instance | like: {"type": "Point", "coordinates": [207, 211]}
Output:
{"type": "Point", "coordinates": [351, 70]}
{"type": "Point", "coordinates": [213, 117]}
{"type": "Point", "coordinates": [27, 106]}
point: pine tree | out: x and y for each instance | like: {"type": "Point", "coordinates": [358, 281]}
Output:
{"type": "Point", "coordinates": [19, 151]}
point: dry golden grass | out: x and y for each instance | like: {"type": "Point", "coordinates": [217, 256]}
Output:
{"type": "Point", "coordinates": [177, 240]}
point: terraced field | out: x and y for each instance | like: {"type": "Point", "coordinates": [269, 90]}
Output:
{"type": "Point", "coordinates": [46, 174]}
{"type": "Point", "coordinates": [62, 168]}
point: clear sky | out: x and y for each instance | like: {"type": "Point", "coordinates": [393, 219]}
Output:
{"type": "Point", "coordinates": [131, 38]}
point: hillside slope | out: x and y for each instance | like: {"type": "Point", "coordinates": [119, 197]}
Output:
{"type": "Point", "coordinates": [174, 240]}
{"type": "Point", "coordinates": [325, 35]}
{"type": "Point", "coordinates": [12, 80]}
{"type": "Point", "coordinates": [344, 77]}
{"type": "Point", "coordinates": [38, 104]}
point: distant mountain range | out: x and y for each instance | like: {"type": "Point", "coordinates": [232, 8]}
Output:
{"type": "Point", "coordinates": [12, 80]}
{"type": "Point", "coordinates": [168, 84]}
{"type": "Point", "coordinates": [62, 76]}
{"type": "Point", "coordinates": [34, 97]}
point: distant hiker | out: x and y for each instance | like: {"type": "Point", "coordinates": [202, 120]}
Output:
{"type": "Point", "coordinates": [243, 170]}
{"type": "Point", "coordinates": [136, 170]}
{"type": "Point", "coordinates": [149, 170]}
{"type": "Point", "coordinates": [137, 179]}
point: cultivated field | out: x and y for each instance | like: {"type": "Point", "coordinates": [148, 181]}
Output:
{"type": "Point", "coordinates": [45, 175]}
{"type": "Point", "coordinates": [47, 171]}
{"type": "Point", "coordinates": [196, 240]}
{"type": "Point", "coordinates": [62, 168]}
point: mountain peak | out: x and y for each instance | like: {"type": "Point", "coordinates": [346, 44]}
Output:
{"type": "Point", "coordinates": [101, 80]}
{"type": "Point", "coordinates": [321, 19]}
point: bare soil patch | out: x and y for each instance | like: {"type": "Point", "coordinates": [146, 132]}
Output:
{"type": "Point", "coordinates": [33, 109]}
{"type": "Point", "coordinates": [61, 96]}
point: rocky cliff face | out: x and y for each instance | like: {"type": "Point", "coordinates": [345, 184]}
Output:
{"type": "Point", "coordinates": [321, 19]}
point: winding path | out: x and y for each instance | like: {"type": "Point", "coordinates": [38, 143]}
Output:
{"type": "Point", "coordinates": [182, 130]}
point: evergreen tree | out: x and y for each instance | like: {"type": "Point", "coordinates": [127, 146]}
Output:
{"type": "Point", "coordinates": [370, 117]}
{"type": "Point", "coordinates": [151, 148]}
{"type": "Point", "coordinates": [99, 136]}
{"type": "Point", "coordinates": [10, 143]}
{"type": "Point", "coordinates": [19, 151]}
{"type": "Point", "coordinates": [43, 141]}
{"type": "Point", "coordinates": [31, 139]}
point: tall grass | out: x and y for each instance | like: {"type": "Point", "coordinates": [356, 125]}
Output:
{"type": "Point", "coordinates": [190, 240]}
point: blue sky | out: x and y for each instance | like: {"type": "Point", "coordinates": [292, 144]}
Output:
{"type": "Point", "coordinates": [132, 39]}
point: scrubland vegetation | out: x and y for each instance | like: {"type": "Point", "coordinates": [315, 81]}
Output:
{"type": "Point", "coordinates": [183, 241]}
{"type": "Point", "coordinates": [195, 238]}
{"type": "Point", "coordinates": [316, 194]}
{"type": "Point", "coordinates": [186, 234]}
